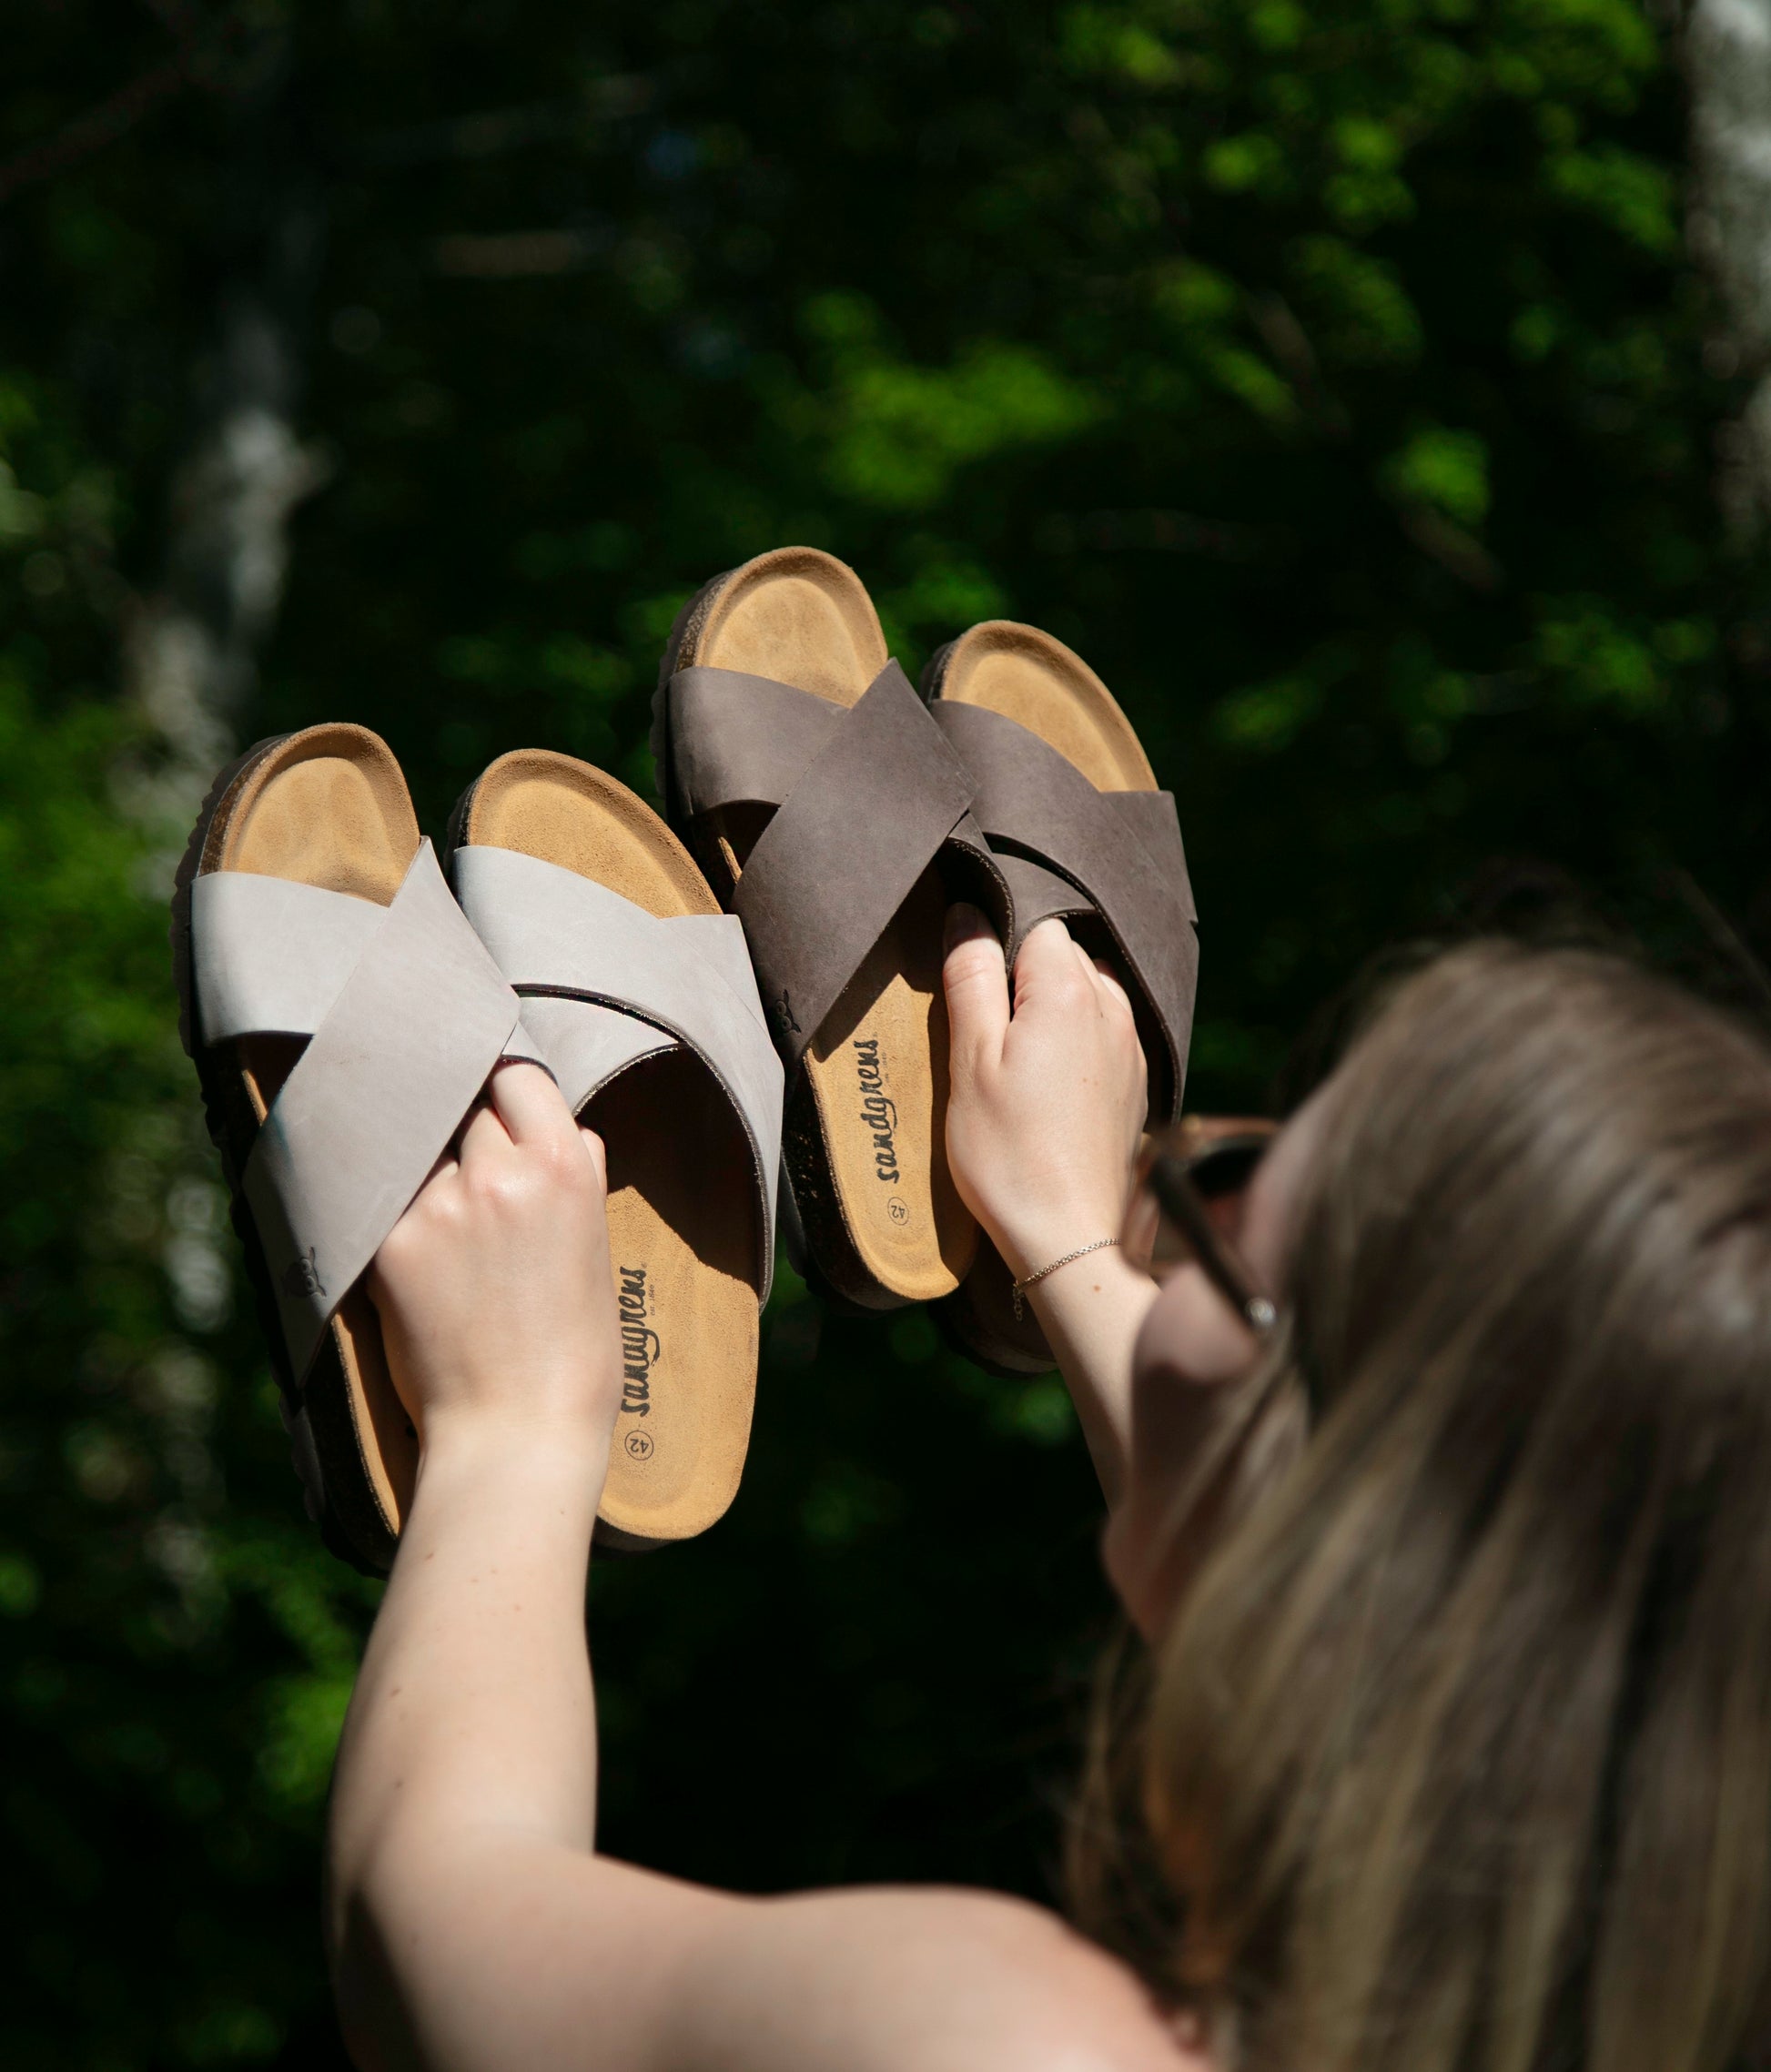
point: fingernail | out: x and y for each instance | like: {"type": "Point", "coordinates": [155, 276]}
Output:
{"type": "Point", "coordinates": [964, 925]}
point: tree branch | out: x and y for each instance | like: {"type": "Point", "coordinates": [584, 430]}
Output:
{"type": "Point", "coordinates": [97, 128]}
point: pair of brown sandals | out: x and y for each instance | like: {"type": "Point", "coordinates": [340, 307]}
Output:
{"type": "Point", "coordinates": [344, 1005]}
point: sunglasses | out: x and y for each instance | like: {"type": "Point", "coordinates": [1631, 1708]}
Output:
{"type": "Point", "coordinates": [1187, 1207]}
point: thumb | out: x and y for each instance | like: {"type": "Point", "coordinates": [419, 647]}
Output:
{"type": "Point", "coordinates": [592, 1145]}
{"type": "Point", "coordinates": [976, 975]}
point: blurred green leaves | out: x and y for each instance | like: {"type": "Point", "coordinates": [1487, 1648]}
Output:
{"type": "Point", "coordinates": [895, 433]}
{"type": "Point", "coordinates": [1445, 469]}
{"type": "Point", "coordinates": [1326, 371]}
{"type": "Point", "coordinates": [167, 1744]}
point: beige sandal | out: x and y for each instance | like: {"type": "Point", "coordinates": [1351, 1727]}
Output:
{"type": "Point", "coordinates": [639, 992]}
{"type": "Point", "coordinates": [342, 1018]}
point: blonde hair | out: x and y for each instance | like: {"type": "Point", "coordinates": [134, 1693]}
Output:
{"type": "Point", "coordinates": [1457, 1755]}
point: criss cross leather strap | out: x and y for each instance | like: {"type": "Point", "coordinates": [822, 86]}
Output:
{"type": "Point", "coordinates": [604, 983]}
{"type": "Point", "coordinates": [406, 1014]}
{"type": "Point", "coordinates": [1067, 849]}
{"type": "Point", "coordinates": [865, 797]}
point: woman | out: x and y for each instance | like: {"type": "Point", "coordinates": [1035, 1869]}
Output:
{"type": "Point", "coordinates": [1457, 1745]}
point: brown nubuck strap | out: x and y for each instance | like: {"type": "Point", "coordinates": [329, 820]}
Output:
{"type": "Point", "coordinates": [1067, 848]}
{"type": "Point", "coordinates": [865, 797]}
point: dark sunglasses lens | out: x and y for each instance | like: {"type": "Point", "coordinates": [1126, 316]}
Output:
{"type": "Point", "coordinates": [1219, 1169]}
{"type": "Point", "coordinates": [1226, 1169]}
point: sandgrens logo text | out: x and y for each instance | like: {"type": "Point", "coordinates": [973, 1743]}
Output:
{"type": "Point", "coordinates": [640, 1349]}
{"type": "Point", "coordinates": [879, 1113]}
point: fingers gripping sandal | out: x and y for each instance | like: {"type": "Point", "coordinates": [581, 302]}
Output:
{"type": "Point", "coordinates": [1069, 804]}
{"type": "Point", "coordinates": [343, 1017]}
{"type": "Point", "coordinates": [639, 991]}
{"type": "Point", "coordinates": [835, 822]}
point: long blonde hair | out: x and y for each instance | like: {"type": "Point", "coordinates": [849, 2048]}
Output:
{"type": "Point", "coordinates": [1457, 1755]}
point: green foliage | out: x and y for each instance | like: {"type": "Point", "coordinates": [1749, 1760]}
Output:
{"type": "Point", "coordinates": [175, 1651]}
{"type": "Point", "coordinates": [1325, 370]}
{"type": "Point", "coordinates": [897, 434]}
{"type": "Point", "coordinates": [1447, 470]}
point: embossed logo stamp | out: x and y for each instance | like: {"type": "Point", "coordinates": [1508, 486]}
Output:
{"type": "Point", "coordinates": [301, 1277]}
{"type": "Point", "coordinates": [879, 1115]}
{"type": "Point", "coordinates": [640, 1348]}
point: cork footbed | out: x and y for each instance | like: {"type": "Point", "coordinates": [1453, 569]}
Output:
{"type": "Point", "coordinates": [1028, 676]}
{"type": "Point", "coordinates": [682, 1208]}
{"type": "Point", "coordinates": [328, 807]}
{"type": "Point", "coordinates": [801, 617]}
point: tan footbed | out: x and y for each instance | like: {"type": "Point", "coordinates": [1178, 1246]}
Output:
{"type": "Point", "coordinates": [682, 1205]}
{"type": "Point", "coordinates": [1032, 678]}
{"type": "Point", "coordinates": [330, 807]}
{"type": "Point", "coordinates": [801, 617]}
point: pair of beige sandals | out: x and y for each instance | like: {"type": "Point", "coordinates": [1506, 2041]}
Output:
{"type": "Point", "coordinates": [684, 1114]}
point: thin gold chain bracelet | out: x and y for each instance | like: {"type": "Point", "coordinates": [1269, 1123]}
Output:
{"type": "Point", "coordinates": [1081, 1252]}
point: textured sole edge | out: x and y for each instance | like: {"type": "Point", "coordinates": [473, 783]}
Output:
{"type": "Point", "coordinates": [961, 1332]}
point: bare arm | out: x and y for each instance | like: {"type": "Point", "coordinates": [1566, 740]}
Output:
{"type": "Point", "coordinates": [471, 1740]}
{"type": "Point", "coordinates": [473, 1928]}
{"type": "Point", "coordinates": [1047, 1108]}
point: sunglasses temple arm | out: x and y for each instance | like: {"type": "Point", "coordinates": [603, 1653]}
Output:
{"type": "Point", "coordinates": [1180, 1201]}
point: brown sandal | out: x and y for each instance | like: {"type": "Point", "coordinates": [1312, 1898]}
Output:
{"type": "Point", "coordinates": [1069, 804]}
{"type": "Point", "coordinates": [817, 793]}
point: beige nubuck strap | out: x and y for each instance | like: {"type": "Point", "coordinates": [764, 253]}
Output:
{"type": "Point", "coordinates": [605, 984]}
{"type": "Point", "coordinates": [406, 1013]}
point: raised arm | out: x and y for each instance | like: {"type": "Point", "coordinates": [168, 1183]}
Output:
{"type": "Point", "coordinates": [469, 1748]}
{"type": "Point", "coordinates": [473, 1926]}
{"type": "Point", "coordinates": [1047, 1108]}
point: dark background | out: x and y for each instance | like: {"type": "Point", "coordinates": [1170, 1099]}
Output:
{"type": "Point", "coordinates": [1330, 372]}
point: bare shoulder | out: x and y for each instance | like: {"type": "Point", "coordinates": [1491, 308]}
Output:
{"type": "Point", "coordinates": [878, 1979]}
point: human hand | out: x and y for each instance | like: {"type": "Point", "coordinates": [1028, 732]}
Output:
{"type": "Point", "coordinates": [494, 1289]}
{"type": "Point", "coordinates": [1047, 1104]}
